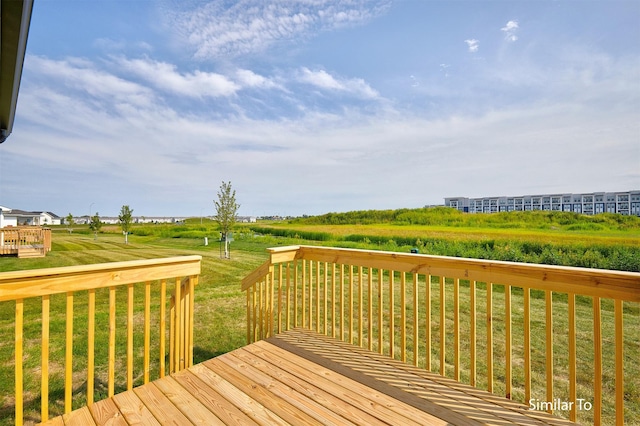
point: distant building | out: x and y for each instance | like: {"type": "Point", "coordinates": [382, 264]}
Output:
{"type": "Point", "coordinates": [113, 220]}
{"type": "Point", "coordinates": [3, 210]}
{"type": "Point", "coordinates": [626, 203]}
{"type": "Point", "coordinates": [246, 219]}
{"type": "Point", "coordinates": [15, 217]}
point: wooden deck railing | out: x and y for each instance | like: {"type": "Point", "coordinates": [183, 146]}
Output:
{"type": "Point", "coordinates": [551, 337]}
{"type": "Point", "coordinates": [25, 241]}
{"type": "Point", "coordinates": [102, 313]}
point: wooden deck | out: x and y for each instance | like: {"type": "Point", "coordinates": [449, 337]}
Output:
{"type": "Point", "coordinates": [300, 377]}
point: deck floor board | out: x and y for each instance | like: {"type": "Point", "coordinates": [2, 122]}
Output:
{"type": "Point", "coordinates": [301, 377]}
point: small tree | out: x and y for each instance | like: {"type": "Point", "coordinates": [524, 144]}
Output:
{"type": "Point", "coordinates": [95, 225]}
{"type": "Point", "coordinates": [226, 210]}
{"type": "Point", "coordinates": [125, 217]}
{"type": "Point", "coordinates": [70, 222]}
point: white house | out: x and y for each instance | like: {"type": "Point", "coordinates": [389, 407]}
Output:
{"type": "Point", "coordinates": [3, 221]}
{"type": "Point", "coordinates": [15, 217]}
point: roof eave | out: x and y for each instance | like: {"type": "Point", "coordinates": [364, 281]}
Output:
{"type": "Point", "coordinates": [14, 30]}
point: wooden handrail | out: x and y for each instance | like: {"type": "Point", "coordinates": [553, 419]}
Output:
{"type": "Point", "coordinates": [179, 272]}
{"type": "Point", "coordinates": [455, 315]}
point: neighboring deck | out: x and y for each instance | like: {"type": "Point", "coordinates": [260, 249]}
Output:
{"type": "Point", "coordinates": [25, 241]}
{"type": "Point", "coordinates": [300, 377]}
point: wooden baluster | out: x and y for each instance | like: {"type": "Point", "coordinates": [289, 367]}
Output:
{"type": "Point", "coordinates": [443, 327]}
{"type": "Point", "coordinates": [333, 301]}
{"type": "Point", "coordinates": [527, 343]}
{"type": "Point", "coordinates": [403, 316]}
{"type": "Point", "coordinates": [392, 329]}
{"type": "Point", "coordinates": [619, 345]}
{"type": "Point", "coordinates": [326, 295]}
{"type": "Point", "coordinates": [129, 336]}
{"type": "Point", "coordinates": [163, 326]}
{"type": "Point", "coordinates": [288, 299]}
{"type": "Point", "coordinates": [318, 297]}
{"type": "Point", "coordinates": [172, 334]}
{"type": "Point", "coordinates": [261, 309]}
{"type": "Point", "coordinates": [178, 333]}
{"type": "Point", "coordinates": [427, 320]}
{"type": "Point", "coordinates": [44, 382]}
{"type": "Point", "coordinates": [472, 333]}
{"type": "Point", "coordinates": [549, 346]}
{"type": "Point", "coordinates": [304, 293]}
{"type": "Point", "coordinates": [572, 356]}
{"type": "Point", "coordinates": [380, 311]}
{"type": "Point", "coordinates": [193, 281]}
{"type": "Point", "coordinates": [280, 288]}
{"type": "Point", "coordinates": [351, 303]}
{"type": "Point", "coordinates": [370, 308]}
{"type": "Point", "coordinates": [19, 337]}
{"type": "Point", "coordinates": [254, 307]}
{"type": "Point", "coordinates": [248, 316]}
{"type": "Point", "coordinates": [341, 302]}
{"type": "Point", "coordinates": [147, 330]}
{"type": "Point", "coordinates": [456, 329]}
{"type": "Point", "coordinates": [271, 301]}
{"type": "Point", "coordinates": [91, 338]}
{"type": "Point", "coordinates": [360, 303]}
{"type": "Point", "coordinates": [310, 312]}
{"type": "Point", "coordinates": [295, 294]}
{"type": "Point", "coordinates": [597, 362]}
{"type": "Point", "coordinates": [489, 337]}
{"type": "Point", "coordinates": [112, 342]}
{"type": "Point", "coordinates": [508, 341]}
{"type": "Point", "coordinates": [416, 345]}
{"type": "Point", "coordinates": [68, 364]}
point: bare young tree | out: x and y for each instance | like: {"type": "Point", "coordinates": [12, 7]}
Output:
{"type": "Point", "coordinates": [226, 211]}
{"type": "Point", "coordinates": [69, 222]}
{"type": "Point", "coordinates": [125, 217]}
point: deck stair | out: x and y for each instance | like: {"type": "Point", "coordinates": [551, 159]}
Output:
{"type": "Point", "coordinates": [31, 251]}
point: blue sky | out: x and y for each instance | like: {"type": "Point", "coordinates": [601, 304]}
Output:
{"type": "Point", "coordinates": [316, 106]}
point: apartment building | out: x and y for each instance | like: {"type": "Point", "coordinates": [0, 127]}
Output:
{"type": "Point", "coordinates": [626, 203]}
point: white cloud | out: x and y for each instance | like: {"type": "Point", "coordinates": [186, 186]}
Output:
{"type": "Point", "coordinates": [354, 155]}
{"type": "Point", "coordinates": [248, 78]}
{"type": "Point", "coordinates": [111, 45]}
{"type": "Point", "coordinates": [510, 30]}
{"type": "Point", "coordinates": [194, 84]}
{"type": "Point", "coordinates": [324, 80]}
{"type": "Point", "coordinates": [473, 45]}
{"type": "Point", "coordinates": [82, 75]}
{"type": "Point", "coordinates": [247, 26]}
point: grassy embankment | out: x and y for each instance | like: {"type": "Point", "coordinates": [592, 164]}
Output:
{"type": "Point", "coordinates": [220, 305]}
{"type": "Point", "coordinates": [604, 241]}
